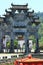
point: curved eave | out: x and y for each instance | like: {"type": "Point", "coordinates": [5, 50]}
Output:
{"type": "Point", "coordinates": [19, 8]}
{"type": "Point", "coordinates": [37, 23]}
{"type": "Point", "coordinates": [19, 5]}
{"type": "Point", "coordinates": [1, 19]}
{"type": "Point", "coordinates": [31, 16]}
{"type": "Point", "coordinates": [6, 15]}
{"type": "Point", "coordinates": [7, 11]}
{"type": "Point", "coordinates": [31, 12]}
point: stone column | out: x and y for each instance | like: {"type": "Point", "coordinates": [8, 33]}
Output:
{"type": "Point", "coordinates": [11, 46]}
{"type": "Point", "coordinates": [37, 50]}
{"type": "Point", "coordinates": [12, 42]}
{"type": "Point", "coordinates": [1, 41]}
{"type": "Point", "coordinates": [1, 46]}
{"type": "Point", "coordinates": [27, 50]}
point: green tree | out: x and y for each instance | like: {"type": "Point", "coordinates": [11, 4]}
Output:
{"type": "Point", "coordinates": [8, 44]}
{"type": "Point", "coordinates": [32, 38]}
{"type": "Point", "coordinates": [41, 42]}
{"type": "Point", "coordinates": [15, 43]}
{"type": "Point", "coordinates": [41, 29]}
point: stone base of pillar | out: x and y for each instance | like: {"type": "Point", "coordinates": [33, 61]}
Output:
{"type": "Point", "coordinates": [27, 52]}
{"type": "Point", "coordinates": [37, 50]}
{"type": "Point", "coordinates": [1, 51]}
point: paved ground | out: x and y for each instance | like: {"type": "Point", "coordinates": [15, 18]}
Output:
{"type": "Point", "coordinates": [9, 55]}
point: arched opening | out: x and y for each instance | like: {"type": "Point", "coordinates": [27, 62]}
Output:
{"type": "Point", "coordinates": [32, 42]}
{"type": "Point", "coordinates": [6, 43]}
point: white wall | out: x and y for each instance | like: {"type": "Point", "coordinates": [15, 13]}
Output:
{"type": "Point", "coordinates": [21, 42]}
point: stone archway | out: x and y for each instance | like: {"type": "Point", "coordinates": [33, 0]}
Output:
{"type": "Point", "coordinates": [6, 43]}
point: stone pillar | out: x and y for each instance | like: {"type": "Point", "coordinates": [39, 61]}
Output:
{"type": "Point", "coordinates": [1, 46]}
{"type": "Point", "coordinates": [37, 50]}
{"type": "Point", "coordinates": [27, 50]}
{"type": "Point", "coordinates": [11, 46]}
{"type": "Point", "coordinates": [1, 40]}
{"type": "Point", "coordinates": [12, 43]}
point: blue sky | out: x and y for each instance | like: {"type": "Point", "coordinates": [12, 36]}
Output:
{"type": "Point", "coordinates": [37, 5]}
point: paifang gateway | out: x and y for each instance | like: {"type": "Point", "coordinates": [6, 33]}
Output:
{"type": "Point", "coordinates": [18, 21]}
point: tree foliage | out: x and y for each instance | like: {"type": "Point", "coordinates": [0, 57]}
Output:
{"type": "Point", "coordinates": [15, 43]}
{"type": "Point", "coordinates": [8, 44]}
